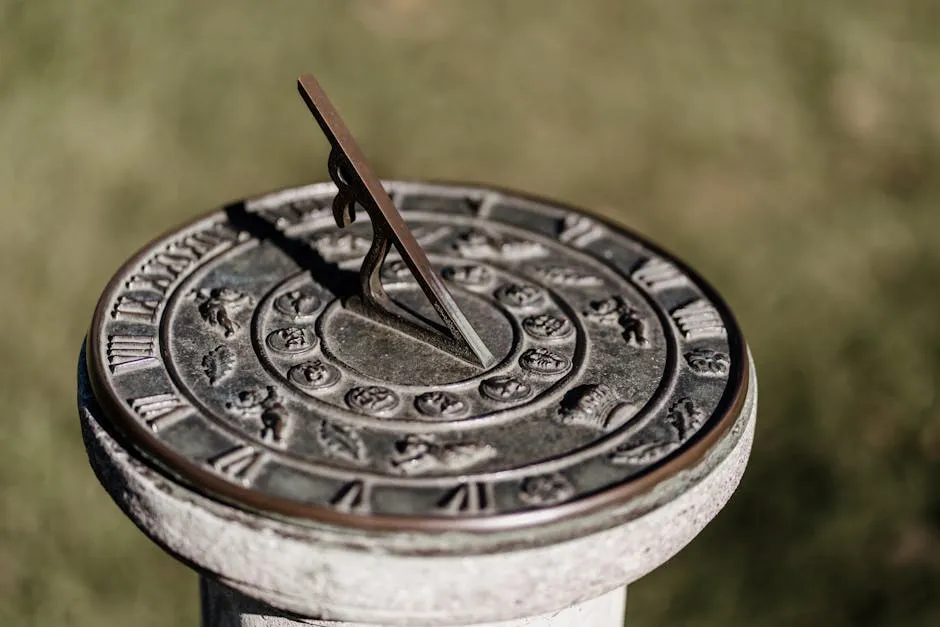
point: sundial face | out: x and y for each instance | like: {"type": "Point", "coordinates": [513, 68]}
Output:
{"type": "Point", "coordinates": [227, 356]}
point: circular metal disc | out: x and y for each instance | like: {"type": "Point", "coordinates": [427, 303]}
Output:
{"type": "Point", "coordinates": [224, 354]}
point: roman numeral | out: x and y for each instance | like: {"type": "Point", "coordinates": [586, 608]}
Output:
{"type": "Point", "coordinates": [699, 320]}
{"type": "Point", "coordinates": [352, 497]}
{"type": "Point", "coordinates": [142, 307]}
{"type": "Point", "coordinates": [129, 352]}
{"type": "Point", "coordinates": [658, 274]}
{"type": "Point", "coordinates": [154, 282]}
{"type": "Point", "coordinates": [240, 463]}
{"type": "Point", "coordinates": [469, 499]}
{"type": "Point", "coordinates": [579, 230]}
{"type": "Point", "coordinates": [159, 411]}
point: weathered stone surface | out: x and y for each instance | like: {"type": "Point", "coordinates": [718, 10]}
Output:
{"type": "Point", "coordinates": [224, 607]}
{"type": "Point", "coordinates": [419, 579]}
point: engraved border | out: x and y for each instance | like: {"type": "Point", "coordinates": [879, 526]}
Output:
{"type": "Point", "coordinates": [725, 414]}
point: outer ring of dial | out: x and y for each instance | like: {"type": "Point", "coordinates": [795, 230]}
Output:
{"type": "Point", "coordinates": [191, 474]}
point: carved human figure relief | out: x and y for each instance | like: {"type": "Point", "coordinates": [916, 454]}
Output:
{"type": "Point", "coordinates": [616, 311]}
{"type": "Point", "coordinates": [218, 306]}
{"type": "Point", "coordinates": [422, 454]}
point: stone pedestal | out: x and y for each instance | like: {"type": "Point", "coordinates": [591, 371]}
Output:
{"type": "Point", "coordinates": [314, 574]}
{"type": "Point", "coordinates": [225, 607]}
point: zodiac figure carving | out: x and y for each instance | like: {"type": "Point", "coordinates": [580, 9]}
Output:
{"type": "Point", "coordinates": [616, 311]}
{"type": "Point", "coordinates": [652, 444]}
{"type": "Point", "coordinates": [590, 406]}
{"type": "Point", "coordinates": [546, 489]}
{"type": "Point", "coordinates": [264, 403]}
{"type": "Point", "coordinates": [218, 304]}
{"type": "Point", "coordinates": [416, 454]}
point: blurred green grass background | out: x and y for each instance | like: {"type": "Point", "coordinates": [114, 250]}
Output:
{"type": "Point", "coordinates": [787, 149]}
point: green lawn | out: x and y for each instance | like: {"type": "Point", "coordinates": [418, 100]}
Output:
{"type": "Point", "coordinates": [790, 150]}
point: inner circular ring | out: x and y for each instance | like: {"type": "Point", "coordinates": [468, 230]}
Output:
{"type": "Point", "coordinates": [350, 341]}
{"type": "Point", "coordinates": [408, 417]}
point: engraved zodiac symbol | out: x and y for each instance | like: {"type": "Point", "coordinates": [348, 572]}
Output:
{"type": "Point", "coordinates": [294, 212]}
{"type": "Point", "coordinates": [273, 420]}
{"type": "Point", "coordinates": [654, 443]}
{"type": "Point", "coordinates": [685, 417]}
{"type": "Point", "coordinates": [217, 305]}
{"type": "Point", "coordinates": [417, 454]}
{"type": "Point", "coordinates": [291, 340]}
{"type": "Point", "coordinates": [342, 441]}
{"type": "Point", "coordinates": [645, 448]}
{"type": "Point", "coordinates": [519, 296]}
{"type": "Point", "coordinates": [546, 489]}
{"type": "Point", "coordinates": [480, 245]}
{"type": "Point", "coordinates": [440, 404]}
{"type": "Point", "coordinates": [471, 276]}
{"type": "Point", "coordinates": [708, 363]}
{"type": "Point", "coordinates": [616, 311]}
{"type": "Point", "coordinates": [543, 361]}
{"type": "Point", "coordinates": [505, 388]}
{"type": "Point", "coordinates": [264, 403]}
{"type": "Point", "coordinates": [561, 275]}
{"type": "Point", "coordinates": [590, 406]}
{"type": "Point", "coordinates": [252, 401]}
{"type": "Point", "coordinates": [218, 363]}
{"type": "Point", "coordinates": [298, 303]}
{"type": "Point", "coordinates": [547, 326]}
{"type": "Point", "coordinates": [336, 246]}
{"type": "Point", "coordinates": [372, 399]}
{"type": "Point", "coordinates": [314, 375]}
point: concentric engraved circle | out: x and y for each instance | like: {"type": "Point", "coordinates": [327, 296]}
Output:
{"type": "Point", "coordinates": [239, 364]}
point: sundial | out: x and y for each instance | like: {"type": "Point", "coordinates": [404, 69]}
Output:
{"type": "Point", "coordinates": [408, 370]}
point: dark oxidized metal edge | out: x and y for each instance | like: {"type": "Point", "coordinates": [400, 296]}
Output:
{"type": "Point", "coordinates": [194, 476]}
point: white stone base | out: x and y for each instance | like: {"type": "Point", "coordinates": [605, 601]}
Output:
{"type": "Point", "coordinates": [409, 579]}
{"type": "Point", "coordinates": [225, 607]}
